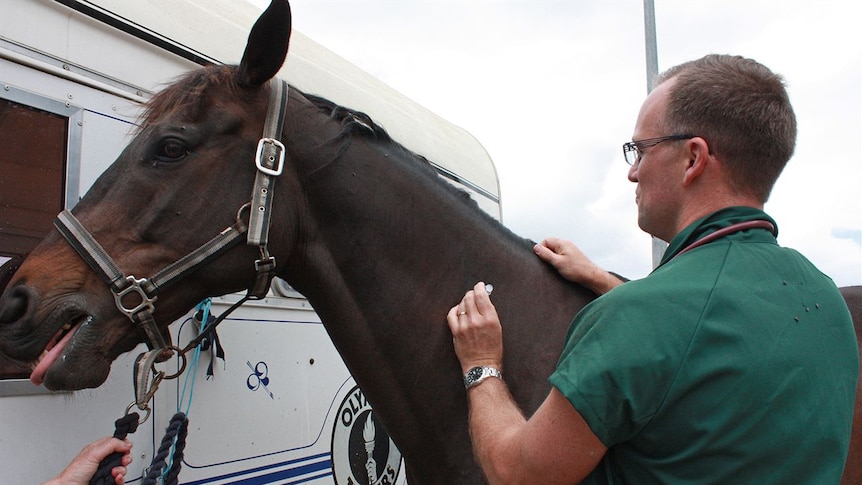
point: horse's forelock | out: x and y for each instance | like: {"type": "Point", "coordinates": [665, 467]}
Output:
{"type": "Point", "coordinates": [186, 94]}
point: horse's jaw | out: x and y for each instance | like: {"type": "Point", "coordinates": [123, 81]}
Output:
{"type": "Point", "coordinates": [59, 341]}
{"type": "Point", "coordinates": [78, 356]}
{"type": "Point", "coordinates": [52, 365]}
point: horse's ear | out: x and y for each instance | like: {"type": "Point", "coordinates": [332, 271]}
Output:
{"type": "Point", "coordinates": [267, 45]}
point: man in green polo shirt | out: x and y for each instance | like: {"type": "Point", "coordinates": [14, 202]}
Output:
{"type": "Point", "coordinates": [734, 361]}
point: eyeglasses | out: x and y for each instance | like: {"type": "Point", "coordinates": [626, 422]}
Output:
{"type": "Point", "coordinates": [632, 150]}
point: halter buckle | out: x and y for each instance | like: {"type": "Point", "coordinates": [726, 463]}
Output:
{"type": "Point", "coordinates": [134, 285]}
{"type": "Point", "coordinates": [279, 151]}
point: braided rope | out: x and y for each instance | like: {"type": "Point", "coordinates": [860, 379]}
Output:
{"type": "Point", "coordinates": [122, 427]}
{"type": "Point", "coordinates": [175, 439]}
{"type": "Point", "coordinates": [167, 461]}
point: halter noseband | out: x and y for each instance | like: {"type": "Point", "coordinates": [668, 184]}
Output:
{"type": "Point", "coordinates": [269, 159]}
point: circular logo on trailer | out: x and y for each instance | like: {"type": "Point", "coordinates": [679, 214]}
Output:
{"type": "Point", "coordinates": [362, 453]}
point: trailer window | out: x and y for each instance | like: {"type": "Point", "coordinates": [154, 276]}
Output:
{"type": "Point", "coordinates": [32, 175]}
{"type": "Point", "coordinates": [40, 142]}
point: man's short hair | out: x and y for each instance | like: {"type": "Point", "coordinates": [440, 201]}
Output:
{"type": "Point", "coordinates": [742, 110]}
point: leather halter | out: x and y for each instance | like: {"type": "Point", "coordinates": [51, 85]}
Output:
{"type": "Point", "coordinates": [269, 160]}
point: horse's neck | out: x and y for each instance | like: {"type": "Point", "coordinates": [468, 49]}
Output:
{"type": "Point", "coordinates": [394, 240]}
{"type": "Point", "coordinates": [388, 252]}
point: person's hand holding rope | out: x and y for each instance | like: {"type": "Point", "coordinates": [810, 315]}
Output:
{"type": "Point", "coordinates": [82, 468]}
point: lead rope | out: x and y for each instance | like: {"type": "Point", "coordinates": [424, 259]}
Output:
{"type": "Point", "coordinates": [122, 427]}
{"type": "Point", "coordinates": [167, 462]}
{"type": "Point", "coordinates": [171, 449]}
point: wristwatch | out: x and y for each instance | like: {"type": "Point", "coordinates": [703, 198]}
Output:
{"type": "Point", "coordinates": [478, 374]}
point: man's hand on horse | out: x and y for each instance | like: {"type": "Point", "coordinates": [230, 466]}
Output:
{"type": "Point", "coordinates": [574, 265]}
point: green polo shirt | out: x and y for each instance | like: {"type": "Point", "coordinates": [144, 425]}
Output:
{"type": "Point", "coordinates": [735, 362]}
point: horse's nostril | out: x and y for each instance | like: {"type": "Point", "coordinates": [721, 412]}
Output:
{"type": "Point", "coordinates": [13, 304]}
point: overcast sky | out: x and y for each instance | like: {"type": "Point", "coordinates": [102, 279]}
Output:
{"type": "Point", "coordinates": [551, 89]}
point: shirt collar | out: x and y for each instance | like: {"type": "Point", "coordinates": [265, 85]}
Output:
{"type": "Point", "coordinates": [711, 223]}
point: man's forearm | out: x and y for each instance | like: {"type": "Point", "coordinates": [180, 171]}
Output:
{"type": "Point", "coordinates": [495, 420]}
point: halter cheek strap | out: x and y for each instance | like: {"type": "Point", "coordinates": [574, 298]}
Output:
{"type": "Point", "coordinates": [269, 160]}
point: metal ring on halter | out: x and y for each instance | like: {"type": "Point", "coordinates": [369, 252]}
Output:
{"type": "Point", "coordinates": [180, 355]}
{"type": "Point", "coordinates": [246, 206]}
{"type": "Point", "coordinates": [144, 408]}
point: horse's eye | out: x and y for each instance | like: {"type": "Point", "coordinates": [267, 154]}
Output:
{"type": "Point", "coordinates": [171, 150]}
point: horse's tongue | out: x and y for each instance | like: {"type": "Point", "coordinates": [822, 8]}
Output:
{"type": "Point", "coordinates": [38, 374]}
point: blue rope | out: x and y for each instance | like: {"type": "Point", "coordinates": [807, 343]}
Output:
{"type": "Point", "coordinates": [204, 307]}
{"type": "Point", "coordinates": [188, 384]}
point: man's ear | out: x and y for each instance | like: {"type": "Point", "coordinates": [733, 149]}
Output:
{"type": "Point", "coordinates": [698, 159]}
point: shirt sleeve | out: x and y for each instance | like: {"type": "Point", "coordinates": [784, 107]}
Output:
{"type": "Point", "coordinates": [617, 364]}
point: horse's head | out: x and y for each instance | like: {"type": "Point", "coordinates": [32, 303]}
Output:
{"type": "Point", "coordinates": [199, 136]}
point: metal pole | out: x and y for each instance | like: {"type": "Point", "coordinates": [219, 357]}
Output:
{"type": "Point", "coordinates": [658, 246]}
{"type": "Point", "coordinates": [651, 47]}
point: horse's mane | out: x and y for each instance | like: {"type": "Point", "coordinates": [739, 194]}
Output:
{"type": "Point", "coordinates": [356, 123]}
{"type": "Point", "coordinates": [352, 121]}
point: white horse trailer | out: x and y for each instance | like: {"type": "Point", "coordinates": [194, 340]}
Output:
{"type": "Point", "coordinates": [281, 407]}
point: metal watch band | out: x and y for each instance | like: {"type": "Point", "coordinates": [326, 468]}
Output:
{"type": "Point", "coordinates": [478, 374]}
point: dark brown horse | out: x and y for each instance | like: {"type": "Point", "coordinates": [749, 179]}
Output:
{"type": "Point", "coordinates": [853, 468]}
{"type": "Point", "coordinates": [365, 229]}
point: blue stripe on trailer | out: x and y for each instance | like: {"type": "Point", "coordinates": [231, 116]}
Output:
{"type": "Point", "coordinates": [277, 476]}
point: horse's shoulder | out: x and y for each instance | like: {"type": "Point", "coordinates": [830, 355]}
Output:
{"type": "Point", "coordinates": [853, 297]}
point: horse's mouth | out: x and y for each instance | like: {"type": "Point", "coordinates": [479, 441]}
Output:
{"type": "Point", "coordinates": [55, 347]}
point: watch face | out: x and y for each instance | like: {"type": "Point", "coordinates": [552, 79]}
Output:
{"type": "Point", "coordinates": [475, 373]}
